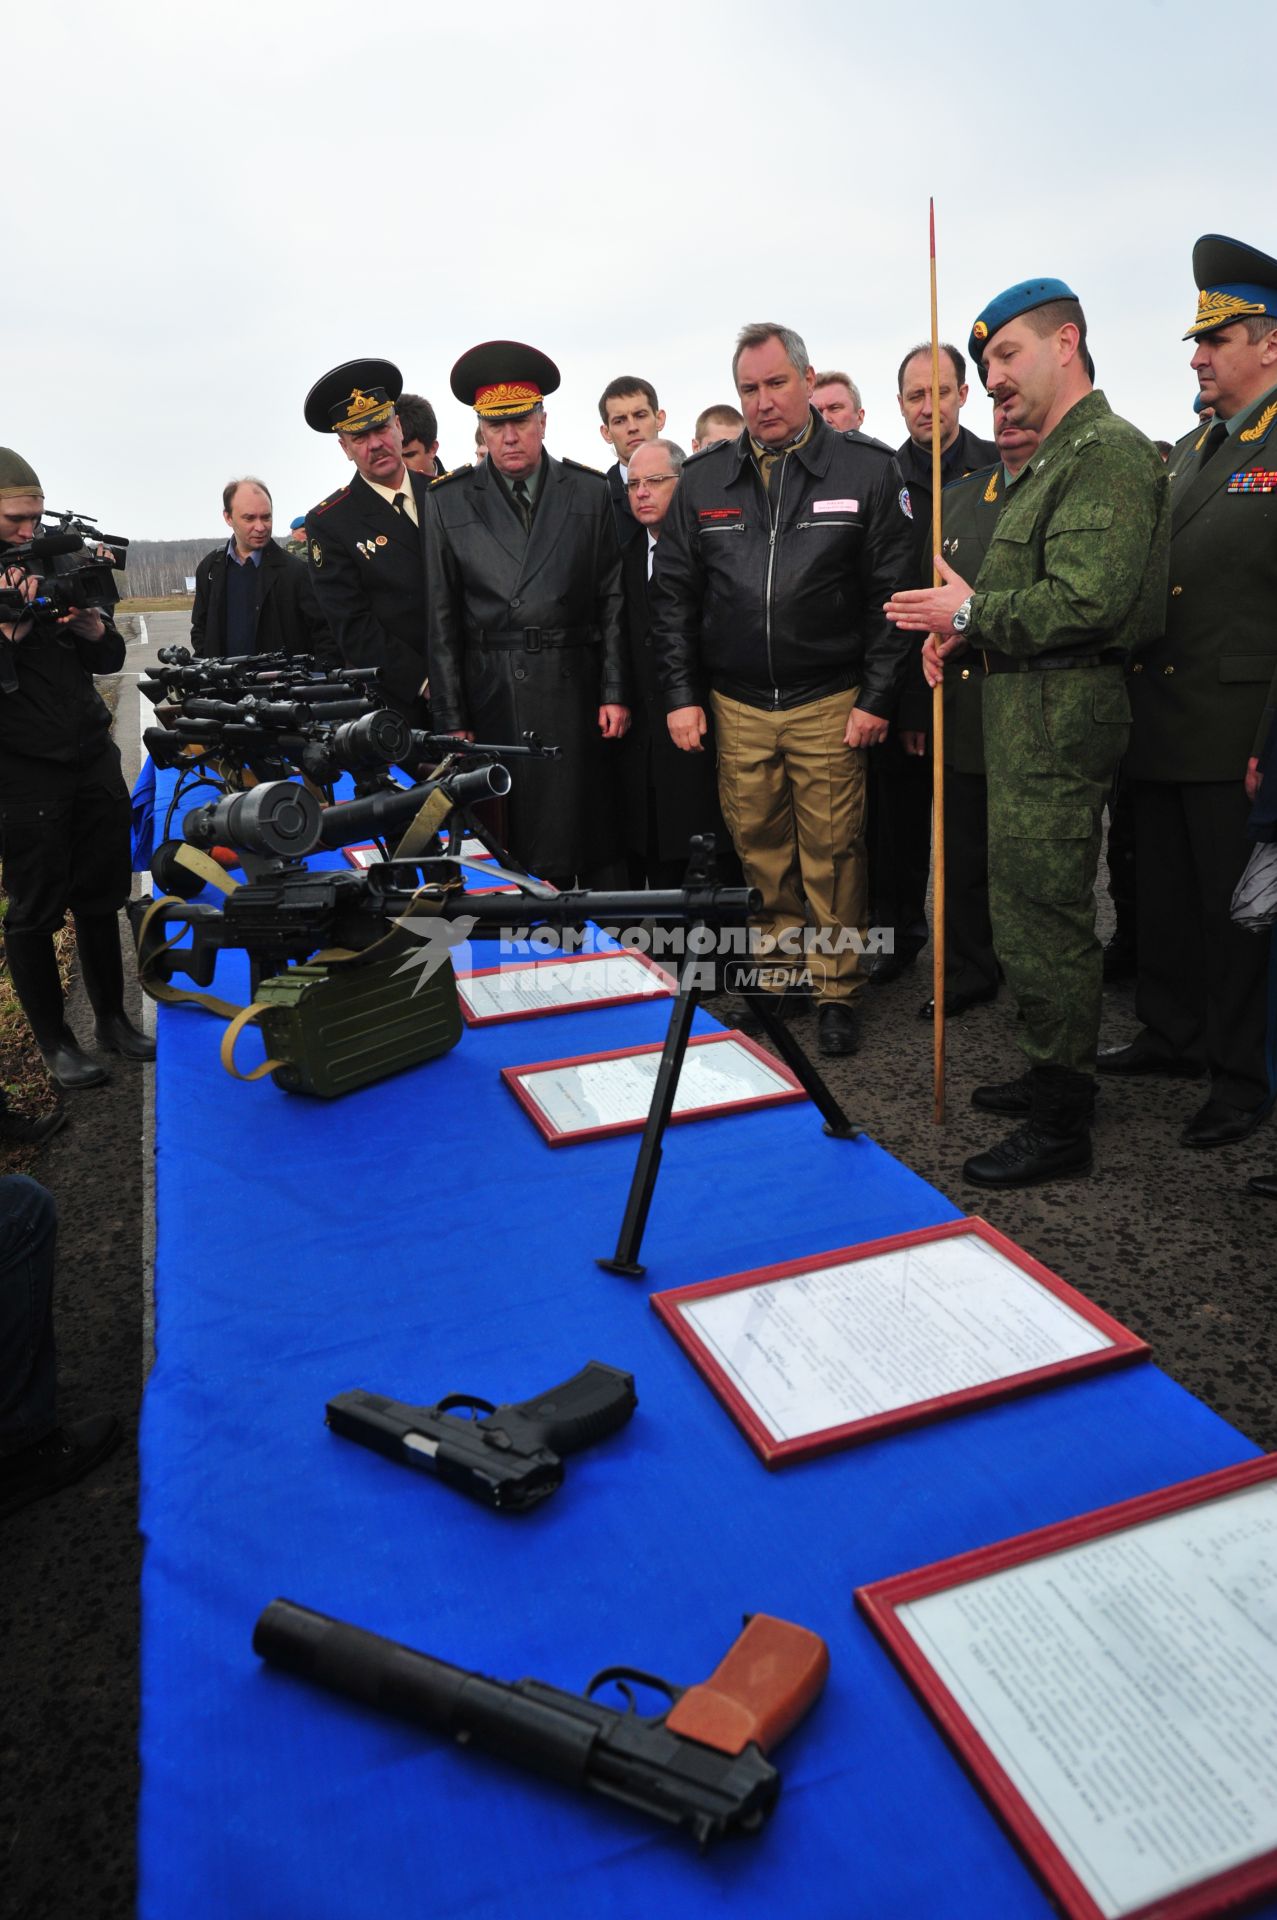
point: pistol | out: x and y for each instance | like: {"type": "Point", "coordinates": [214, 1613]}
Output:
{"type": "Point", "coordinates": [700, 1765]}
{"type": "Point", "coordinates": [511, 1458]}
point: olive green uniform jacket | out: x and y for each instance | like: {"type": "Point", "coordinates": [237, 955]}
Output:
{"type": "Point", "coordinates": [1075, 572]}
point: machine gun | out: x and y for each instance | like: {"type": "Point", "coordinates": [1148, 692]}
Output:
{"type": "Point", "coordinates": [700, 1765]}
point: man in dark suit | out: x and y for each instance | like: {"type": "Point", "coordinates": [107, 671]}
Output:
{"type": "Point", "coordinates": [900, 776]}
{"type": "Point", "coordinates": [629, 415]}
{"type": "Point", "coordinates": [367, 554]}
{"type": "Point", "coordinates": [250, 596]}
{"type": "Point", "coordinates": [665, 796]}
{"type": "Point", "coordinates": [526, 614]}
{"type": "Point", "coordinates": [1197, 696]}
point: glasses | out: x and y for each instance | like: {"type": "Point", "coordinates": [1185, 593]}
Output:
{"type": "Point", "coordinates": [651, 480]}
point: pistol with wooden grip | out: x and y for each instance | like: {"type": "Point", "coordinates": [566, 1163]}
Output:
{"type": "Point", "coordinates": [700, 1765]}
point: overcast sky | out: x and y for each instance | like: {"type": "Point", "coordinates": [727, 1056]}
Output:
{"type": "Point", "coordinates": [211, 205]}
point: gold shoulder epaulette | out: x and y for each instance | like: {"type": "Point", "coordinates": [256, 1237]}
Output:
{"type": "Point", "coordinates": [1261, 425]}
{"type": "Point", "coordinates": [453, 473]}
{"type": "Point", "coordinates": [579, 466]}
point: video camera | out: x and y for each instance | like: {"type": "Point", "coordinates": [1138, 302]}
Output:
{"type": "Point", "coordinates": [63, 556]}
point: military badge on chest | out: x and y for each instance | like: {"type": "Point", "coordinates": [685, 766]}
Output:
{"type": "Point", "coordinates": [1254, 480]}
{"type": "Point", "coordinates": [368, 548]}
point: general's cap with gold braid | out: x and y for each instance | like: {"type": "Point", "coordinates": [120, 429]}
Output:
{"type": "Point", "coordinates": [354, 397]}
{"type": "Point", "coordinates": [1234, 282]}
{"type": "Point", "coordinates": [502, 379]}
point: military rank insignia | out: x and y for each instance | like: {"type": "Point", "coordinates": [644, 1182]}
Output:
{"type": "Point", "coordinates": [1254, 480]}
{"type": "Point", "coordinates": [316, 553]}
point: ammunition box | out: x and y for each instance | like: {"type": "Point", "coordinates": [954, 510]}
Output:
{"type": "Point", "coordinates": [338, 1027]}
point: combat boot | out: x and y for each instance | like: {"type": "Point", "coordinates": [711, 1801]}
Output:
{"type": "Point", "coordinates": [1053, 1143]}
{"type": "Point", "coordinates": [1005, 1096]}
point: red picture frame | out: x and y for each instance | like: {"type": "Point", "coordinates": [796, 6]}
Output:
{"type": "Point", "coordinates": [473, 1019]}
{"type": "Point", "coordinates": [880, 1602]}
{"type": "Point", "coordinates": [515, 1078]}
{"type": "Point", "coordinates": [351, 855]}
{"type": "Point", "coordinates": [774, 1450]}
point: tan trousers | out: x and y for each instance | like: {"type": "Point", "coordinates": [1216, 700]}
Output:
{"type": "Point", "coordinates": [793, 796]}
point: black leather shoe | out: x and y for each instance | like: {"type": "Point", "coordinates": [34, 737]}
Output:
{"type": "Point", "coordinates": [71, 1067]}
{"type": "Point", "coordinates": [956, 1004]}
{"type": "Point", "coordinates": [838, 1027]}
{"type": "Point", "coordinates": [1144, 1056]}
{"type": "Point", "coordinates": [882, 969]}
{"type": "Point", "coordinates": [1218, 1124]}
{"type": "Point", "coordinates": [1029, 1155]}
{"type": "Point", "coordinates": [1118, 960]}
{"type": "Point", "coordinates": [1265, 1183]}
{"type": "Point", "coordinates": [62, 1456]}
{"type": "Point", "coordinates": [1005, 1096]}
{"type": "Point", "coordinates": [19, 1130]}
{"type": "Point", "coordinates": [117, 1034]}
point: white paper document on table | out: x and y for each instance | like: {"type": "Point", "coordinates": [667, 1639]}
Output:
{"type": "Point", "coordinates": [842, 1343]}
{"type": "Point", "coordinates": [582, 1095]}
{"type": "Point", "coordinates": [551, 986]}
{"type": "Point", "coordinates": [1127, 1686]}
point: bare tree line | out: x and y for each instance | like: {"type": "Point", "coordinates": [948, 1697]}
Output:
{"type": "Point", "coordinates": [157, 567]}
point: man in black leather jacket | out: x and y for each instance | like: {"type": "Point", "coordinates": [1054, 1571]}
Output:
{"type": "Point", "coordinates": [64, 807]}
{"type": "Point", "coordinates": [768, 590]}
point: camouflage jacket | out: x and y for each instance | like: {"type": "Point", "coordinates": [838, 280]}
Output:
{"type": "Point", "coordinates": [1078, 561]}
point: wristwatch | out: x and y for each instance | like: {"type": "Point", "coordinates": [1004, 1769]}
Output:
{"type": "Point", "coordinates": [962, 617]}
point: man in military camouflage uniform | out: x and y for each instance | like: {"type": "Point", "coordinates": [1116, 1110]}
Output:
{"type": "Point", "coordinates": [1072, 583]}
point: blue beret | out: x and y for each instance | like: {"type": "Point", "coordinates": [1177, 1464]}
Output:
{"type": "Point", "coordinates": [300, 521]}
{"type": "Point", "coordinates": [1022, 298]}
{"type": "Point", "coordinates": [1234, 281]}
{"type": "Point", "coordinates": [1199, 403]}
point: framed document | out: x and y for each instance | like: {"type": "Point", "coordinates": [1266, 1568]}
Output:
{"type": "Point", "coordinates": [364, 856]}
{"type": "Point", "coordinates": [834, 1348]}
{"type": "Point", "coordinates": [526, 991]}
{"type": "Point", "coordinates": [1112, 1684]}
{"type": "Point", "coordinates": [603, 1093]}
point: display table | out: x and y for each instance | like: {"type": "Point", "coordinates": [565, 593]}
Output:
{"type": "Point", "coordinates": [420, 1238]}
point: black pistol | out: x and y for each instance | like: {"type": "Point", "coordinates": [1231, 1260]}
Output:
{"type": "Point", "coordinates": [511, 1457]}
{"type": "Point", "coordinates": [700, 1765]}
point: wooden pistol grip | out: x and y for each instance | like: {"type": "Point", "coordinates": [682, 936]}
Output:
{"type": "Point", "coordinates": [759, 1690]}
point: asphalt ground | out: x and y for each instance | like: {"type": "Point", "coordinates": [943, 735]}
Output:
{"type": "Point", "coordinates": [1165, 1238]}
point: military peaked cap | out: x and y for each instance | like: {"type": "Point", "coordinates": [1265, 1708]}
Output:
{"type": "Point", "coordinates": [502, 379]}
{"type": "Point", "coordinates": [1234, 281]}
{"type": "Point", "coordinates": [354, 397]}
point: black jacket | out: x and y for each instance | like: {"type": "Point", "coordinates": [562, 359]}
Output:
{"type": "Point", "coordinates": [627, 527]}
{"type": "Point", "coordinates": [664, 794]}
{"type": "Point", "coordinates": [57, 713]}
{"type": "Point", "coordinates": [526, 632]}
{"type": "Point", "coordinates": [368, 570]}
{"type": "Point", "coordinates": [780, 617]}
{"type": "Point", "coordinates": [288, 616]}
{"type": "Point", "coordinates": [968, 454]}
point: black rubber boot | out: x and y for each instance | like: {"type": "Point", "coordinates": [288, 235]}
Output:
{"type": "Point", "coordinates": [97, 939]}
{"type": "Point", "coordinates": [33, 968]}
{"type": "Point", "coordinates": [1053, 1143]}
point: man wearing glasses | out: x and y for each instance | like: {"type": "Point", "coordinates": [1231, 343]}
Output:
{"type": "Point", "coordinates": [664, 796]}
{"type": "Point", "coordinates": [525, 617]}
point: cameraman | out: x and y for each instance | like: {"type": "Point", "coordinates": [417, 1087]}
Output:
{"type": "Point", "coordinates": [64, 807]}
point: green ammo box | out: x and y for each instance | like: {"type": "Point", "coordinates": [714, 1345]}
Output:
{"type": "Point", "coordinates": [341, 1027]}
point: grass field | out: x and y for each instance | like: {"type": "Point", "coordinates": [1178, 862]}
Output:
{"type": "Point", "coordinates": [168, 603]}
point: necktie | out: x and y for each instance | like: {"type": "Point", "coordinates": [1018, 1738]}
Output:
{"type": "Point", "coordinates": [1214, 440]}
{"type": "Point", "coordinates": [523, 503]}
{"type": "Point", "coordinates": [400, 502]}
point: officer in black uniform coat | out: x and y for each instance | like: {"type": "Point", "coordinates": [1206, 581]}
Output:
{"type": "Point", "coordinates": [526, 615]}
{"type": "Point", "coordinates": [366, 542]}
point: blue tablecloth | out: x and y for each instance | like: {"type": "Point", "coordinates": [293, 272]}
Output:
{"type": "Point", "coordinates": [419, 1238]}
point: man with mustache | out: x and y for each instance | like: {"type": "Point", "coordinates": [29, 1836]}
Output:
{"type": "Point", "coordinates": [1072, 584]}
